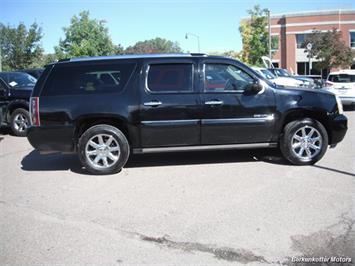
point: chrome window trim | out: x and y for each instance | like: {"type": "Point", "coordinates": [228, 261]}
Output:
{"type": "Point", "coordinates": [207, 147]}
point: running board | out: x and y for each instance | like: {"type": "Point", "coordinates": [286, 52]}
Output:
{"type": "Point", "coordinates": [207, 147]}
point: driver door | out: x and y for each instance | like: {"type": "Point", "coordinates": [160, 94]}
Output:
{"type": "Point", "coordinates": [229, 114]}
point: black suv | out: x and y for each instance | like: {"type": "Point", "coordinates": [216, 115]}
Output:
{"type": "Point", "coordinates": [106, 107]}
{"type": "Point", "coordinates": [15, 93]}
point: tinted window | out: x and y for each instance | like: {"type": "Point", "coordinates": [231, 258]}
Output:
{"type": "Point", "coordinates": [221, 77]}
{"type": "Point", "coordinates": [280, 72]}
{"type": "Point", "coordinates": [20, 80]}
{"type": "Point", "coordinates": [342, 78]}
{"type": "Point", "coordinates": [170, 77]}
{"type": "Point", "coordinates": [71, 80]}
{"type": "Point", "coordinates": [267, 74]}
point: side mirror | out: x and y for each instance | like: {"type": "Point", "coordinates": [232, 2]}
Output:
{"type": "Point", "coordinates": [254, 88]}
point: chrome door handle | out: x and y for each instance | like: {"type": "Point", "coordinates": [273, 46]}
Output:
{"type": "Point", "coordinates": [214, 102]}
{"type": "Point", "coordinates": [152, 103]}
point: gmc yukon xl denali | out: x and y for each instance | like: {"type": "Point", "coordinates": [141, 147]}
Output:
{"type": "Point", "coordinates": [104, 108]}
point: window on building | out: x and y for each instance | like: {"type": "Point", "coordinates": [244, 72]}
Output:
{"type": "Point", "coordinates": [352, 39]}
{"type": "Point", "coordinates": [300, 38]}
{"type": "Point", "coordinates": [274, 42]}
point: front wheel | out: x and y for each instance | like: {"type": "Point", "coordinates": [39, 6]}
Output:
{"type": "Point", "coordinates": [304, 142]}
{"type": "Point", "coordinates": [19, 122]}
{"type": "Point", "coordinates": [103, 149]}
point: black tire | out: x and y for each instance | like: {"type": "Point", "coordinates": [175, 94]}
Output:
{"type": "Point", "coordinates": [287, 139]}
{"type": "Point", "coordinates": [120, 140]}
{"type": "Point", "coordinates": [19, 128]}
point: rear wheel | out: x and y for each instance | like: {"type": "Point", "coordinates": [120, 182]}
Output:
{"type": "Point", "coordinates": [19, 122]}
{"type": "Point", "coordinates": [304, 142]}
{"type": "Point", "coordinates": [103, 149]}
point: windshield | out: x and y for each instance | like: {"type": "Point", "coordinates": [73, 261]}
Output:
{"type": "Point", "coordinates": [267, 74]}
{"type": "Point", "coordinates": [20, 80]}
{"type": "Point", "coordinates": [282, 72]}
{"type": "Point", "coordinates": [342, 78]}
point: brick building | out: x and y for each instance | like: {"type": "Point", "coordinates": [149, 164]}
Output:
{"type": "Point", "coordinates": [289, 31]}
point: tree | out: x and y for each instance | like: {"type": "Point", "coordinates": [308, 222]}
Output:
{"type": "Point", "coordinates": [232, 54]}
{"type": "Point", "coordinates": [85, 37]}
{"type": "Point", "coordinates": [154, 46]}
{"type": "Point", "coordinates": [20, 47]}
{"type": "Point", "coordinates": [254, 36]}
{"type": "Point", "coordinates": [329, 48]}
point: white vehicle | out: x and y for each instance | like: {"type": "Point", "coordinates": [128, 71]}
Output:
{"type": "Point", "coordinates": [282, 81]}
{"type": "Point", "coordinates": [342, 84]}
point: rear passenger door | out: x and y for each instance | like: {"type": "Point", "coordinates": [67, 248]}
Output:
{"type": "Point", "coordinates": [169, 106]}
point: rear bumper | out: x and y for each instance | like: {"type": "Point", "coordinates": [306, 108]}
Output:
{"type": "Point", "coordinates": [51, 138]}
{"type": "Point", "coordinates": [338, 126]}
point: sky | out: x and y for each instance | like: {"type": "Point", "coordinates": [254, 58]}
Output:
{"type": "Point", "coordinates": [215, 22]}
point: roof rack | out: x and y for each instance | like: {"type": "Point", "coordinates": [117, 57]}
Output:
{"type": "Point", "coordinates": [198, 54]}
{"type": "Point", "coordinates": [128, 56]}
{"type": "Point", "coordinates": [64, 60]}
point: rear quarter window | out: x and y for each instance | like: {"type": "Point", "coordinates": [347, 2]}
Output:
{"type": "Point", "coordinates": [88, 79]}
{"type": "Point", "coordinates": [341, 78]}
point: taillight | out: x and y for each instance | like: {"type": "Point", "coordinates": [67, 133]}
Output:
{"type": "Point", "coordinates": [34, 111]}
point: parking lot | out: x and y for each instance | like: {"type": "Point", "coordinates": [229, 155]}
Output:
{"type": "Point", "coordinates": [217, 208]}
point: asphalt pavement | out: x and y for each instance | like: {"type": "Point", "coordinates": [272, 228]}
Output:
{"type": "Point", "coordinates": [247, 207]}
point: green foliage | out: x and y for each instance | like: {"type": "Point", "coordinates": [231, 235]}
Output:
{"type": "Point", "coordinates": [232, 54]}
{"type": "Point", "coordinates": [254, 36]}
{"type": "Point", "coordinates": [154, 46]}
{"type": "Point", "coordinates": [329, 48]}
{"type": "Point", "coordinates": [85, 37]}
{"type": "Point", "coordinates": [49, 58]}
{"type": "Point", "coordinates": [20, 47]}
{"type": "Point", "coordinates": [274, 43]}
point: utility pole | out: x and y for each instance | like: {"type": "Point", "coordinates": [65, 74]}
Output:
{"type": "Point", "coordinates": [269, 29]}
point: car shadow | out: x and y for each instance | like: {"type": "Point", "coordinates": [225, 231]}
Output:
{"type": "Point", "coordinates": [205, 157]}
{"type": "Point", "coordinates": [34, 161]}
{"type": "Point", "coordinates": [5, 131]}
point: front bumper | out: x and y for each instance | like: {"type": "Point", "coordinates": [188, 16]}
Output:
{"type": "Point", "coordinates": [337, 127]}
{"type": "Point", "coordinates": [51, 138]}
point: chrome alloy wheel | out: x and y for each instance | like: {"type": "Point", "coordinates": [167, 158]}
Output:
{"type": "Point", "coordinates": [306, 143]}
{"type": "Point", "coordinates": [20, 123]}
{"type": "Point", "coordinates": [102, 151]}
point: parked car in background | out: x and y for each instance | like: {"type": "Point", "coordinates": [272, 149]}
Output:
{"type": "Point", "coordinates": [280, 72]}
{"type": "Point", "coordinates": [15, 92]}
{"type": "Point", "coordinates": [319, 82]}
{"type": "Point", "coordinates": [34, 72]}
{"type": "Point", "coordinates": [104, 108]}
{"type": "Point", "coordinates": [282, 81]}
{"type": "Point", "coordinates": [342, 84]}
